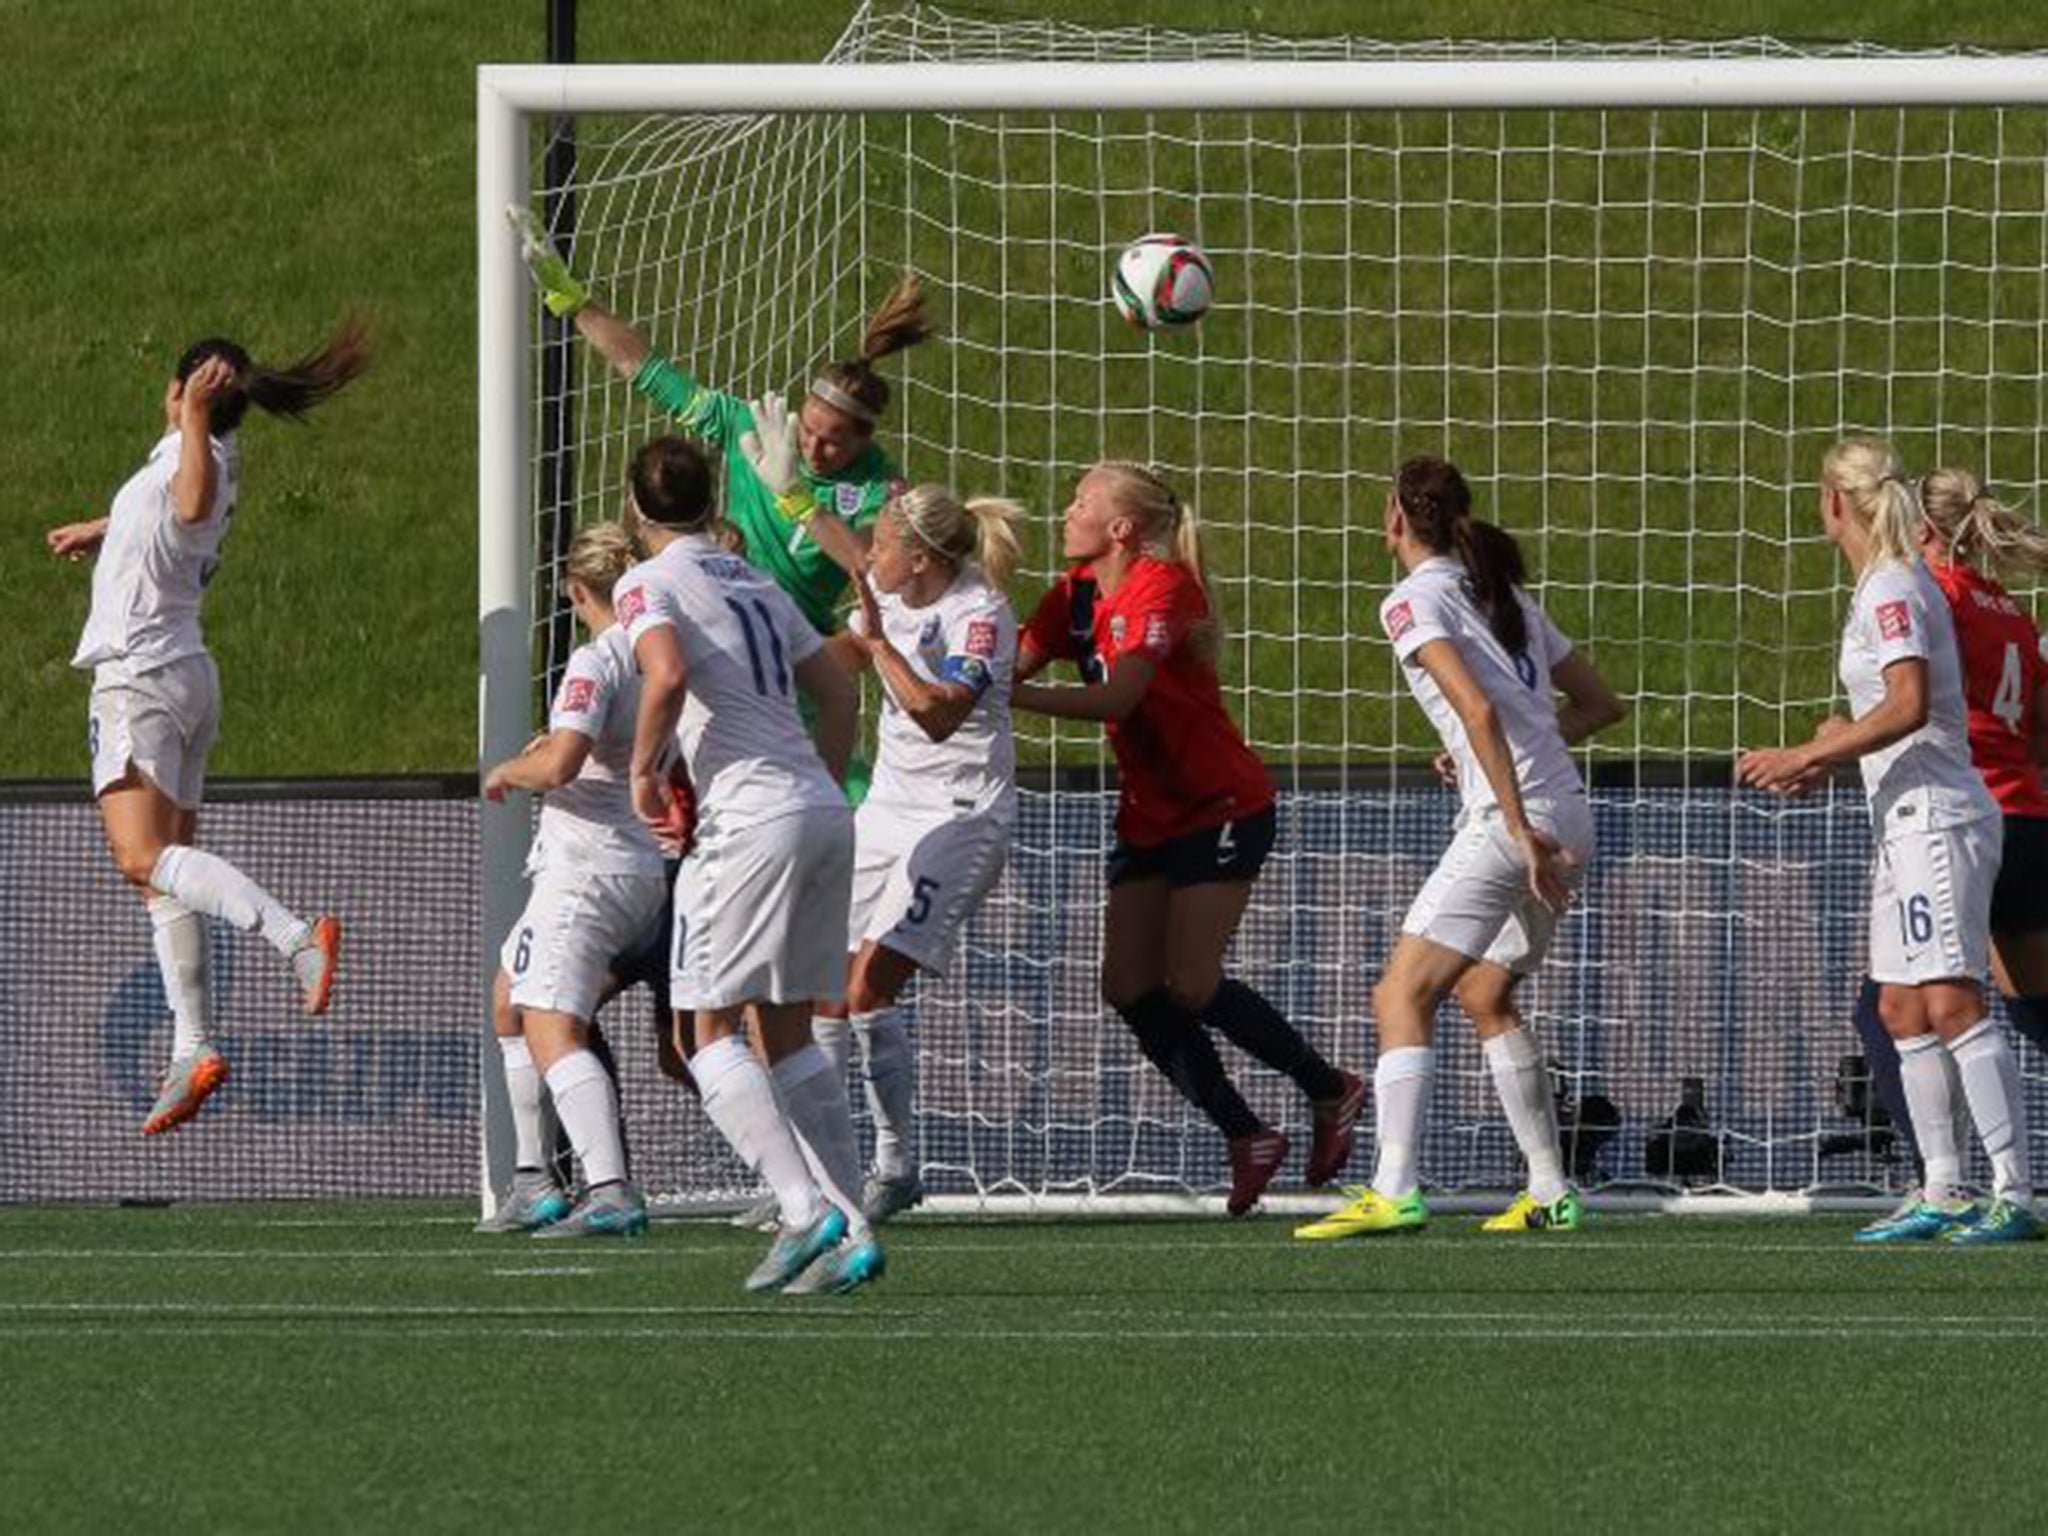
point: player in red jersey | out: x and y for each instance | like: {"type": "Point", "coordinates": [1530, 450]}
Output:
{"type": "Point", "coordinates": [1966, 536]}
{"type": "Point", "coordinates": [1195, 816]}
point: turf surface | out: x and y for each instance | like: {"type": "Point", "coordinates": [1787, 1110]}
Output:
{"type": "Point", "coordinates": [324, 1367]}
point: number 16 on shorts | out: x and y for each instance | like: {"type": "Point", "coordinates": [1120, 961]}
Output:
{"type": "Point", "coordinates": [1930, 903]}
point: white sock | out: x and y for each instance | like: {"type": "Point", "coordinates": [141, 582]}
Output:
{"type": "Point", "coordinates": [1925, 1078]}
{"type": "Point", "coordinates": [588, 1107]}
{"type": "Point", "coordinates": [1400, 1089]}
{"type": "Point", "coordinates": [1998, 1104]}
{"type": "Point", "coordinates": [817, 1109]}
{"type": "Point", "coordinates": [214, 886]}
{"type": "Point", "coordinates": [1524, 1089]}
{"type": "Point", "coordinates": [830, 1035]}
{"type": "Point", "coordinates": [522, 1087]}
{"type": "Point", "coordinates": [889, 1067]}
{"type": "Point", "coordinates": [740, 1101]}
{"type": "Point", "coordinates": [178, 934]}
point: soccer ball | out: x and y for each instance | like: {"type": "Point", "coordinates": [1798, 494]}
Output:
{"type": "Point", "coordinates": [1162, 281]}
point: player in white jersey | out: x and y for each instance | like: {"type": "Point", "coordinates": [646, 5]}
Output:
{"type": "Point", "coordinates": [1485, 662]}
{"type": "Point", "coordinates": [156, 692]}
{"type": "Point", "coordinates": [597, 882]}
{"type": "Point", "coordinates": [1938, 836]}
{"type": "Point", "coordinates": [761, 901]}
{"type": "Point", "coordinates": [934, 832]}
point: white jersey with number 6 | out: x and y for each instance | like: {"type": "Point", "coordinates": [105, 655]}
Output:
{"type": "Point", "coordinates": [589, 821]}
{"type": "Point", "coordinates": [1925, 781]}
{"type": "Point", "coordinates": [1433, 604]}
{"type": "Point", "coordinates": [742, 638]}
{"type": "Point", "coordinates": [153, 568]}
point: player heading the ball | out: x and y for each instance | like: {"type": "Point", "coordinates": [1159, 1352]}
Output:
{"type": "Point", "coordinates": [1938, 836]}
{"type": "Point", "coordinates": [156, 692]}
{"type": "Point", "coordinates": [1484, 662]}
{"type": "Point", "coordinates": [1194, 818]}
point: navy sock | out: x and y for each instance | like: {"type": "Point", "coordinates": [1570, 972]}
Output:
{"type": "Point", "coordinates": [1256, 1027]}
{"type": "Point", "coordinates": [2029, 1016]}
{"type": "Point", "coordinates": [1174, 1041]}
{"type": "Point", "coordinates": [1883, 1057]}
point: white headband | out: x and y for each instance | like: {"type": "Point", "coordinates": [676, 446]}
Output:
{"type": "Point", "coordinates": [824, 389]}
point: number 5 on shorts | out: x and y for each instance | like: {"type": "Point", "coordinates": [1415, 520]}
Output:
{"type": "Point", "coordinates": [921, 899]}
{"type": "Point", "coordinates": [1916, 920]}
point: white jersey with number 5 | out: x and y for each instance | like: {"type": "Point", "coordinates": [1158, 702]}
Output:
{"type": "Point", "coordinates": [1433, 604]}
{"type": "Point", "coordinates": [154, 568]}
{"type": "Point", "coordinates": [589, 822]}
{"type": "Point", "coordinates": [748, 753]}
{"type": "Point", "coordinates": [1926, 781]}
{"type": "Point", "coordinates": [966, 636]}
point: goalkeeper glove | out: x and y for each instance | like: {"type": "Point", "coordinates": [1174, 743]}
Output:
{"type": "Point", "coordinates": [770, 449]}
{"type": "Point", "coordinates": [560, 289]}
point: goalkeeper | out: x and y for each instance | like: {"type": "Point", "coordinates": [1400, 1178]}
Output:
{"type": "Point", "coordinates": [803, 488]}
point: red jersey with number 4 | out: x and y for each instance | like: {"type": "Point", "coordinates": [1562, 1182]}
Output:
{"type": "Point", "coordinates": [1181, 765]}
{"type": "Point", "coordinates": [2003, 670]}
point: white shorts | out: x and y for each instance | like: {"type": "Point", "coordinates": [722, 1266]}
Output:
{"type": "Point", "coordinates": [1930, 903]}
{"type": "Point", "coordinates": [761, 912]}
{"type": "Point", "coordinates": [917, 880]}
{"type": "Point", "coordinates": [1477, 901]}
{"type": "Point", "coordinates": [560, 951]}
{"type": "Point", "coordinates": [162, 722]}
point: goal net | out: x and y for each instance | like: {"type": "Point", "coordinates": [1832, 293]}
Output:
{"type": "Point", "coordinates": [1635, 329]}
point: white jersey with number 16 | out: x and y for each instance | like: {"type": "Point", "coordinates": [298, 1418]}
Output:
{"type": "Point", "coordinates": [748, 754]}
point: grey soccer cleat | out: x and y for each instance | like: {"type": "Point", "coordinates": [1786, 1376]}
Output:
{"type": "Point", "coordinates": [764, 1215]}
{"type": "Point", "coordinates": [610, 1210]}
{"type": "Point", "coordinates": [533, 1201]}
{"type": "Point", "coordinates": [886, 1199]}
{"type": "Point", "coordinates": [842, 1269]}
{"type": "Point", "coordinates": [791, 1252]}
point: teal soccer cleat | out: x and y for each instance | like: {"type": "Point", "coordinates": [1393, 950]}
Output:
{"type": "Point", "coordinates": [610, 1210]}
{"type": "Point", "coordinates": [792, 1252]}
{"type": "Point", "coordinates": [2006, 1221]}
{"type": "Point", "coordinates": [533, 1201]}
{"type": "Point", "coordinates": [1919, 1223]}
{"type": "Point", "coordinates": [843, 1269]}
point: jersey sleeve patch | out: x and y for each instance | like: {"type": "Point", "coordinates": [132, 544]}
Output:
{"type": "Point", "coordinates": [1399, 619]}
{"type": "Point", "coordinates": [632, 605]}
{"type": "Point", "coordinates": [578, 694]}
{"type": "Point", "coordinates": [1894, 620]}
{"type": "Point", "coordinates": [981, 638]}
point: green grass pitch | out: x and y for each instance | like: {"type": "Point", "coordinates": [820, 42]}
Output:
{"type": "Point", "coordinates": [379, 1367]}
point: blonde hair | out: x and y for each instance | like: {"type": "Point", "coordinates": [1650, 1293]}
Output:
{"type": "Point", "coordinates": [1872, 482]}
{"type": "Point", "coordinates": [598, 556]}
{"type": "Point", "coordinates": [981, 530]}
{"type": "Point", "coordinates": [1978, 528]}
{"type": "Point", "coordinates": [1164, 520]}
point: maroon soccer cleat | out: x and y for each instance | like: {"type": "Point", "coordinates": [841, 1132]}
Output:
{"type": "Point", "coordinates": [1336, 1128]}
{"type": "Point", "coordinates": [1254, 1159]}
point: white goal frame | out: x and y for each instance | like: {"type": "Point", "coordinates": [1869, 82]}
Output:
{"type": "Point", "coordinates": [511, 97]}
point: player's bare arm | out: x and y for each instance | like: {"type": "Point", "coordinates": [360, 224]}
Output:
{"type": "Point", "coordinates": [77, 541]}
{"type": "Point", "coordinates": [548, 762]}
{"type": "Point", "coordinates": [838, 710]}
{"type": "Point", "coordinates": [1590, 705]}
{"type": "Point", "coordinates": [664, 677]}
{"type": "Point", "coordinates": [1106, 701]}
{"type": "Point", "coordinates": [193, 486]}
{"type": "Point", "coordinates": [1796, 770]}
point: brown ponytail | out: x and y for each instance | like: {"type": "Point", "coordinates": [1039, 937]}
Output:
{"type": "Point", "coordinates": [1438, 506]}
{"type": "Point", "coordinates": [898, 323]}
{"type": "Point", "coordinates": [289, 391]}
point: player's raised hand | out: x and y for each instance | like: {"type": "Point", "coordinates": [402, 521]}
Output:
{"type": "Point", "coordinates": [770, 449]}
{"type": "Point", "coordinates": [77, 541]}
{"type": "Point", "coordinates": [560, 289]}
{"type": "Point", "coordinates": [204, 386]}
{"type": "Point", "coordinates": [1548, 863]}
{"type": "Point", "coordinates": [870, 612]}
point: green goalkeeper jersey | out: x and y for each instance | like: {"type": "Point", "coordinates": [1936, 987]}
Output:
{"type": "Point", "coordinates": [782, 548]}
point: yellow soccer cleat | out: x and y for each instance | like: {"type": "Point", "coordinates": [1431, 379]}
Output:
{"type": "Point", "coordinates": [1367, 1214]}
{"type": "Point", "coordinates": [1528, 1215]}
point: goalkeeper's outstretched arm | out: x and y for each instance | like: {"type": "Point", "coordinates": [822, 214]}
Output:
{"type": "Point", "coordinates": [568, 297]}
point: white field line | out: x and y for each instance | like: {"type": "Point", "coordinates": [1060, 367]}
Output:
{"type": "Point", "coordinates": [538, 1270]}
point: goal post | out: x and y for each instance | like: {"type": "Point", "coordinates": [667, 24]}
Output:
{"type": "Point", "coordinates": [1463, 253]}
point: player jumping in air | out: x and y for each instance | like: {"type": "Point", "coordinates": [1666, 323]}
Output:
{"type": "Point", "coordinates": [1485, 662]}
{"type": "Point", "coordinates": [1938, 836]}
{"type": "Point", "coordinates": [761, 902]}
{"type": "Point", "coordinates": [1967, 537]}
{"type": "Point", "coordinates": [597, 881]}
{"type": "Point", "coordinates": [934, 832]}
{"type": "Point", "coordinates": [156, 692]}
{"type": "Point", "coordinates": [1194, 819]}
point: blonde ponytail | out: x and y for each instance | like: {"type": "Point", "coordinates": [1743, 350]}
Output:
{"type": "Point", "coordinates": [996, 547]}
{"type": "Point", "coordinates": [1979, 529]}
{"type": "Point", "coordinates": [981, 532]}
{"type": "Point", "coordinates": [1872, 482]}
{"type": "Point", "coordinates": [598, 556]}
